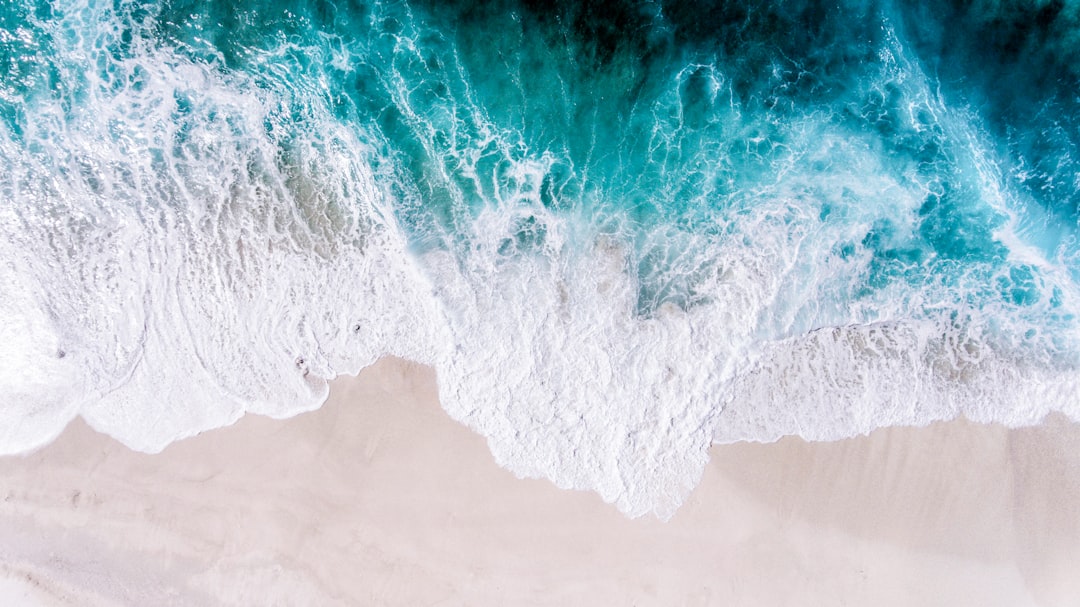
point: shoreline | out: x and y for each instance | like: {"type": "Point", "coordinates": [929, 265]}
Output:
{"type": "Point", "coordinates": [380, 498]}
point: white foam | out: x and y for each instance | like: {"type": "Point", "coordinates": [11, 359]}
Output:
{"type": "Point", "coordinates": [840, 382]}
{"type": "Point", "coordinates": [43, 387]}
{"type": "Point", "coordinates": [191, 264]}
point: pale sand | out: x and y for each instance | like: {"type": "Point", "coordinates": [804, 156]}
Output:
{"type": "Point", "coordinates": [379, 498]}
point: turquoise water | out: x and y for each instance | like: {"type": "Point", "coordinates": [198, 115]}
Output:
{"type": "Point", "coordinates": [619, 231]}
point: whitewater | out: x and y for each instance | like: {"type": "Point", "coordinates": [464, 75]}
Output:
{"type": "Point", "coordinates": [620, 233]}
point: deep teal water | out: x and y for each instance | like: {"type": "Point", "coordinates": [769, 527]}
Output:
{"type": "Point", "coordinates": [685, 115]}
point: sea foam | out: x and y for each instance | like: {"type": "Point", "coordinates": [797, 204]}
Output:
{"type": "Point", "coordinates": [613, 258]}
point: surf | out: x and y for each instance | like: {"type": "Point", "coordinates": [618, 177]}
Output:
{"type": "Point", "coordinates": [618, 233]}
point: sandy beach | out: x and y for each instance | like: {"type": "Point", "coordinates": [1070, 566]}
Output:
{"type": "Point", "coordinates": [379, 498]}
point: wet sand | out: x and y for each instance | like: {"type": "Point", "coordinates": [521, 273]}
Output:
{"type": "Point", "coordinates": [379, 498]}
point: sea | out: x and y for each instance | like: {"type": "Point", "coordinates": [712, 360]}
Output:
{"type": "Point", "coordinates": [620, 231]}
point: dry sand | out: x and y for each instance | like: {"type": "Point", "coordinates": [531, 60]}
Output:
{"type": "Point", "coordinates": [379, 498]}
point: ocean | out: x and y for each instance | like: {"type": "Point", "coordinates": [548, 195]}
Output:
{"type": "Point", "coordinates": [619, 231]}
